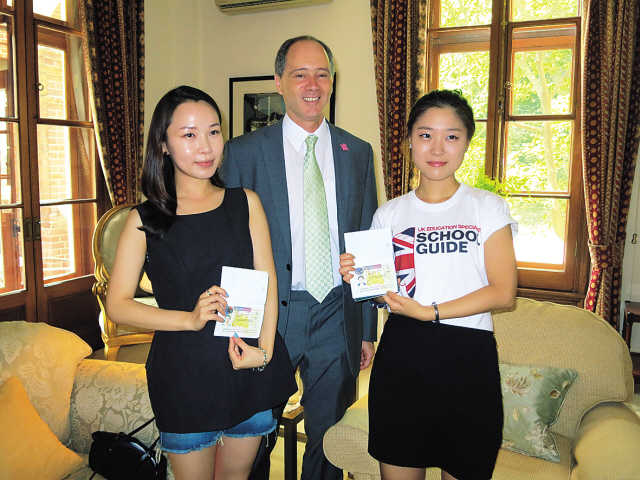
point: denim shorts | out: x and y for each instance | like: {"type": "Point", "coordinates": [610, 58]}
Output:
{"type": "Point", "coordinates": [260, 424]}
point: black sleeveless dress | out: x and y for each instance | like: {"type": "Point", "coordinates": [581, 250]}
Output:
{"type": "Point", "coordinates": [192, 384]}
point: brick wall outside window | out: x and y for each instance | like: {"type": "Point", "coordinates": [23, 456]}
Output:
{"type": "Point", "coordinates": [53, 164]}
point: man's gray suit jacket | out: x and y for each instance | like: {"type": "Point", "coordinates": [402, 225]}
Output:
{"type": "Point", "coordinates": [256, 161]}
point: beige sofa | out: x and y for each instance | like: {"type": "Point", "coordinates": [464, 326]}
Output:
{"type": "Point", "coordinates": [73, 396]}
{"type": "Point", "coordinates": [597, 432]}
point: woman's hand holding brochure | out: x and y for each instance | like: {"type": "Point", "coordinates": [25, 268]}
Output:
{"type": "Point", "coordinates": [406, 307]}
{"type": "Point", "coordinates": [247, 295]}
{"type": "Point", "coordinates": [243, 355]}
{"type": "Point", "coordinates": [369, 266]}
{"type": "Point", "coordinates": [393, 301]}
{"type": "Point", "coordinates": [347, 265]}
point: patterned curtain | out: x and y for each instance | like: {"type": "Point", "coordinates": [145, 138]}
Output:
{"type": "Point", "coordinates": [610, 130]}
{"type": "Point", "coordinates": [399, 28]}
{"type": "Point", "coordinates": [114, 53]}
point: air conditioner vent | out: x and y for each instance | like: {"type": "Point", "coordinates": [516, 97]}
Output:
{"type": "Point", "coordinates": [233, 7]}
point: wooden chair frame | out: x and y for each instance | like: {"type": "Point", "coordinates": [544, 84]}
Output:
{"type": "Point", "coordinates": [112, 334]}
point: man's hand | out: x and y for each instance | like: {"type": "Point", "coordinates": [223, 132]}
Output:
{"type": "Point", "coordinates": [366, 355]}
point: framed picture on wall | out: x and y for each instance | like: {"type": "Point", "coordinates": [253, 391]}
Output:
{"type": "Point", "coordinates": [254, 103]}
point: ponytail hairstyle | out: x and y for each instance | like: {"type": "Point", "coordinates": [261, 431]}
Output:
{"type": "Point", "coordinates": [452, 99]}
{"type": "Point", "coordinates": [158, 176]}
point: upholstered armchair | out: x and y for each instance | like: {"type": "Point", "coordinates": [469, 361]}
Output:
{"type": "Point", "coordinates": [593, 429]}
{"type": "Point", "coordinates": [105, 240]}
{"type": "Point", "coordinates": [52, 399]}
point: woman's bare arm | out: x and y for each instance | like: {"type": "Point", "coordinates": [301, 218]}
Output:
{"type": "Point", "coordinates": [502, 274]}
{"type": "Point", "coordinates": [123, 282]}
{"type": "Point", "coordinates": [262, 260]}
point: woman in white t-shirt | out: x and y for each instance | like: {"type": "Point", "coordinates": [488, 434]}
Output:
{"type": "Point", "coordinates": [434, 394]}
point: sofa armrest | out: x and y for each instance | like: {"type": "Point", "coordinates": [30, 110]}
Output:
{"type": "Point", "coordinates": [110, 396]}
{"type": "Point", "coordinates": [607, 443]}
{"type": "Point", "coordinates": [345, 443]}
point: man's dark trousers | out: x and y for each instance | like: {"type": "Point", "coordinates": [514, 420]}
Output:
{"type": "Point", "coordinates": [315, 342]}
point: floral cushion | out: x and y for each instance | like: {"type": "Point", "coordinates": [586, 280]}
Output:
{"type": "Point", "coordinates": [44, 359]}
{"type": "Point", "coordinates": [532, 398]}
{"type": "Point", "coordinates": [110, 396]}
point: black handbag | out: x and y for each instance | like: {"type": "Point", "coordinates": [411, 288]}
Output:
{"type": "Point", "coordinates": [121, 456]}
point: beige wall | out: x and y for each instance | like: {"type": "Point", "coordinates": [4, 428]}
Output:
{"type": "Point", "coordinates": [191, 42]}
{"type": "Point", "coordinates": [631, 263]}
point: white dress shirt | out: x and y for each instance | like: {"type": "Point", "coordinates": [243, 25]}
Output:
{"type": "Point", "coordinates": [295, 148]}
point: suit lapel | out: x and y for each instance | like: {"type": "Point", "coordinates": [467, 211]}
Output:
{"type": "Point", "coordinates": [342, 166]}
{"type": "Point", "coordinates": [273, 157]}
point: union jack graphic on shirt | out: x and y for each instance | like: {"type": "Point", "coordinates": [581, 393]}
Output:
{"type": "Point", "coordinates": [405, 266]}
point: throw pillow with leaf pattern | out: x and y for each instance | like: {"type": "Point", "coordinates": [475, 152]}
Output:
{"type": "Point", "coordinates": [532, 398]}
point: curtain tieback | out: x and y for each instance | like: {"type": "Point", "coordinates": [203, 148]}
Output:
{"type": "Point", "coordinates": [606, 256]}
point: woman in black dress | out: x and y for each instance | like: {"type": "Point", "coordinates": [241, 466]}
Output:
{"type": "Point", "coordinates": [212, 396]}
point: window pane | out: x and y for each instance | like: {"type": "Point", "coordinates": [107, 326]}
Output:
{"type": "Point", "coordinates": [66, 232]}
{"type": "Point", "coordinates": [64, 10]}
{"type": "Point", "coordinates": [539, 155]}
{"type": "Point", "coordinates": [523, 10]}
{"type": "Point", "coordinates": [541, 229]}
{"type": "Point", "coordinates": [11, 251]}
{"type": "Point", "coordinates": [66, 163]}
{"type": "Point", "coordinates": [10, 189]}
{"type": "Point", "coordinates": [7, 85]}
{"type": "Point", "coordinates": [63, 93]}
{"type": "Point", "coordinates": [472, 169]}
{"type": "Point", "coordinates": [468, 72]}
{"type": "Point", "coordinates": [460, 13]}
{"type": "Point", "coordinates": [542, 75]}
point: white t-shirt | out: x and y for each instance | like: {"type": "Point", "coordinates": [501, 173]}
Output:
{"type": "Point", "coordinates": [439, 248]}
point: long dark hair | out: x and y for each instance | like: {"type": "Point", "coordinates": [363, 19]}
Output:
{"type": "Point", "coordinates": [158, 178]}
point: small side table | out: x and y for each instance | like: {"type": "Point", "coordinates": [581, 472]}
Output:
{"type": "Point", "coordinates": [289, 430]}
{"type": "Point", "coordinates": [631, 316]}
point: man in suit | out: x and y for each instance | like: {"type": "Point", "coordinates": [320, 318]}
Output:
{"type": "Point", "coordinates": [329, 336]}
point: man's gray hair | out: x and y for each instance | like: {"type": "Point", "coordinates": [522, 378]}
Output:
{"type": "Point", "coordinates": [281, 57]}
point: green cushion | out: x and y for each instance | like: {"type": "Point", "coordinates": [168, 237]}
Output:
{"type": "Point", "coordinates": [532, 399]}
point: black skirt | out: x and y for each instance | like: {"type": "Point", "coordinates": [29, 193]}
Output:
{"type": "Point", "coordinates": [435, 398]}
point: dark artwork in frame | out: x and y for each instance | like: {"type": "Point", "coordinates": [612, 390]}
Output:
{"type": "Point", "coordinates": [262, 109]}
{"type": "Point", "coordinates": [254, 103]}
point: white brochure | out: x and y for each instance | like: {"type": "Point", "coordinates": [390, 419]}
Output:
{"type": "Point", "coordinates": [247, 290]}
{"type": "Point", "coordinates": [375, 272]}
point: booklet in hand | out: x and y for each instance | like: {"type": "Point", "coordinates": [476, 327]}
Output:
{"type": "Point", "coordinates": [375, 272]}
{"type": "Point", "coordinates": [247, 290]}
